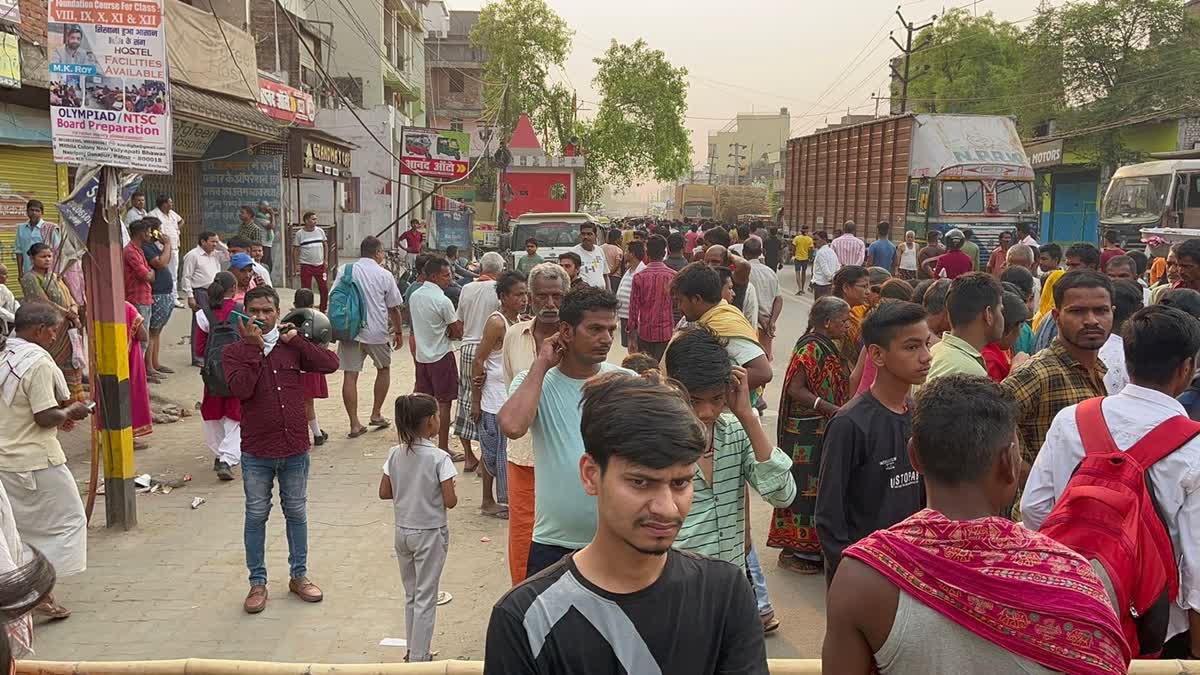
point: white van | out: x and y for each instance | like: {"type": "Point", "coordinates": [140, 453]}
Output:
{"type": "Point", "coordinates": [555, 233]}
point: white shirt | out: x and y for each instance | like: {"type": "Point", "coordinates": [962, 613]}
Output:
{"type": "Point", "coordinates": [737, 248]}
{"type": "Point", "coordinates": [1113, 356]}
{"type": "Point", "coordinates": [850, 250]}
{"type": "Point", "coordinates": [311, 245]}
{"type": "Point", "coordinates": [825, 265]}
{"type": "Point", "coordinates": [200, 268]}
{"type": "Point", "coordinates": [169, 224]}
{"type": "Point", "coordinates": [625, 290]}
{"type": "Point", "coordinates": [1130, 415]}
{"type": "Point", "coordinates": [765, 285]}
{"type": "Point", "coordinates": [750, 305]}
{"type": "Point", "coordinates": [263, 273]}
{"type": "Point", "coordinates": [131, 215]}
{"type": "Point", "coordinates": [595, 265]}
{"type": "Point", "coordinates": [432, 313]}
{"type": "Point", "coordinates": [8, 305]}
{"type": "Point", "coordinates": [379, 295]}
{"type": "Point", "coordinates": [475, 304]}
{"type": "Point", "coordinates": [1030, 241]}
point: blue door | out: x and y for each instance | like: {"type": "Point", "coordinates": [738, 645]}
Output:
{"type": "Point", "coordinates": [1074, 216]}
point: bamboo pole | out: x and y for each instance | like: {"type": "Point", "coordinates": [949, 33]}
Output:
{"type": "Point", "coordinates": [221, 667]}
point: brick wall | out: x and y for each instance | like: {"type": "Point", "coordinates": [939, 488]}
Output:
{"type": "Point", "coordinates": [1189, 132]}
{"type": "Point", "coordinates": [444, 102]}
{"type": "Point", "coordinates": [262, 25]}
{"type": "Point", "coordinates": [33, 20]}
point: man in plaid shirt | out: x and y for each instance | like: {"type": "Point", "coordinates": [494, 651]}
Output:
{"type": "Point", "coordinates": [651, 319]}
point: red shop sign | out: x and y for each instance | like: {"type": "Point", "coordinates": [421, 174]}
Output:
{"type": "Point", "coordinates": [286, 103]}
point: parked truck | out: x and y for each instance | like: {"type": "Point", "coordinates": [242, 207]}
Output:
{"type": "Point", "coordinates": [694, 201]}
{"type": "Point", "coordinates": [1153, 198]}
{"type": "Point", "coordinates": [918, 172]}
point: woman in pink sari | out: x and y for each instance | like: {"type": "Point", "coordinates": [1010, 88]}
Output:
{"type": "Point", "coordinates": [139, 390]}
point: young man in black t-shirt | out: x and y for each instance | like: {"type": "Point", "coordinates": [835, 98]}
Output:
{"type": "Point", "coordinates": [867, 481]}
{"type": "Point", "coordinates": [627, 602]}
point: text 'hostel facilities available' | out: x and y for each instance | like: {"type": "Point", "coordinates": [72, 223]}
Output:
{"type": "Point", "coordinates": [109, 96]}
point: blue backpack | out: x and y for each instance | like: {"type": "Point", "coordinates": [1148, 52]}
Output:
{"type": "Point", "coordinates": [347, 307]}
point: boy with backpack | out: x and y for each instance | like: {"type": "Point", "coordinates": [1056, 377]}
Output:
{"type": "Point", "coordinates": [1141, 447]}
{"type": "Point", "coordinates": [220, 410]}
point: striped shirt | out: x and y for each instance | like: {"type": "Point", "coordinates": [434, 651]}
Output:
{"type": "Point", "coordinates": [650, 307]}
{"type": "Point", "coordinates": [716, 525]}
{"type": "Point", "coordinates": [850, 249]}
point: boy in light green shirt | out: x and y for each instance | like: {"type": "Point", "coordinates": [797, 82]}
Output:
{"type": "Point", "coordinates": [531, 258]}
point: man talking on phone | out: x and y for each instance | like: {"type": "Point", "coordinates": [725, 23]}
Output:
{"type": "Point", "coordinates": [34, 404]}
{"type": "Point", "coordinates": [263, 371]}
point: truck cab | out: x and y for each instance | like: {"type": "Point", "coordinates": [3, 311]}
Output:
{"type": "Point", "coordinates": [555, 233]}
{"type": "Point", "coordinates": [1152, 195]}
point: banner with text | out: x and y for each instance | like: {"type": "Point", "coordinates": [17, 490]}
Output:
{"type": "Point", "coordinates": [109, 93]}
{"type": "Point", "coordinates": [435, 153]}
{"type": "Point", "coordinates": [228, 184]}
{"type": "Point", "coordinates": [286, 103]}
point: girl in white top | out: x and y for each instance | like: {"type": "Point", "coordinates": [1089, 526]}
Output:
{"type": "Point", "coordinates": [490, 391]}
{"type": "Point", "coordinates": [419, 479]}
{"type": "Point", "coordinates": [908, 256]}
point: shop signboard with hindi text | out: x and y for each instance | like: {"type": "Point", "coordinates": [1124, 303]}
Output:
{"type": "Point", "coordinates": [435, 153]}
{"type": "Point", "coordinates": [109, 91]}
{"type": "Point", "coordinates": [228, 184]}
{"type": "Point", "coordinates": [285, 103]}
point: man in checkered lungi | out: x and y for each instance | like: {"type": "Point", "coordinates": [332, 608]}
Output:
{"type": "Point", "coordinates": [476, 303]}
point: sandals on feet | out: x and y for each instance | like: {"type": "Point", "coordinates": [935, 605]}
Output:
{"type": "Point", "coordinates": [381, 423]}
{"type": "Point", "coordinates": [357, 432]}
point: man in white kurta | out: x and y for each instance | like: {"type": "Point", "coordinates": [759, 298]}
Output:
{"type": "Point", "coordinates": [34, 404]}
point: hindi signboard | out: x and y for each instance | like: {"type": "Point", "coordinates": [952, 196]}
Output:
{"type": "Point", "coordinates": [10, 60]}
{"type": "Point", "coordinates": [285, 103]}
{"type": "Point", "coordinates": [435, 153]}
{"type": "Point", "coordinates": [109, 92]}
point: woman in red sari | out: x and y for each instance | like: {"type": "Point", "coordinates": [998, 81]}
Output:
{"type": "Point", "coordinates": [813, 390]}
{"type": "Point", "coordinates": [139, 390]}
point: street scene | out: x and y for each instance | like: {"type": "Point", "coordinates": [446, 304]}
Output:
{"type": "Point", "coordinates": [545, 336]}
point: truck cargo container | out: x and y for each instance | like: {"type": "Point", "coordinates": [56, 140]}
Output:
{"type": "Point", "coordinates": [918, 172]}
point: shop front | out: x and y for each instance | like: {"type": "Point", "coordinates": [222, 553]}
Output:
{"type": "Point", "coordinates": [315, 157]}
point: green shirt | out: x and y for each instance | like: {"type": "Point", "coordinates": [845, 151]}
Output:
{"type": "Point", "coordinates": [954, 355]}
{"type": "Point", "coordinates": [972, 251]}
{"type": "Point", "coordinates": [716, 525]}
{"type": "Point", "coordinates": [526, 263]}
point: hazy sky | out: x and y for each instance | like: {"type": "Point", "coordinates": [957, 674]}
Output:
{"type": "Point", "coordinates": [815, 57]}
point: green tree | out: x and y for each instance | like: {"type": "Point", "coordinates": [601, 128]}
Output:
{"type": "Point", "coordinates": [524, 40]}
{"type": "Point", "coordinates": [638, 133]}
{"type": "Point", "coordinates": [965, 64]}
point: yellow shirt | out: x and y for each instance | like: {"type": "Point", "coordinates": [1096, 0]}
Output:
{"type": "Point", "coordinates": [25, 446]}
{"type": "Point", "coordinates": [803, 244]}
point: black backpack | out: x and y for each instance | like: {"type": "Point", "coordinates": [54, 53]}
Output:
{"type": "Point", "coordinates": [221, 334]}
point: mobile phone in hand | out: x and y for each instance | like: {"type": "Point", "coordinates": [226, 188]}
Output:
{"type": "Point", "coordinates": [240, 317]}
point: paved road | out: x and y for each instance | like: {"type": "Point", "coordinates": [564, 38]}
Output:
{"type": "Point", "coordinates": [173, 587]}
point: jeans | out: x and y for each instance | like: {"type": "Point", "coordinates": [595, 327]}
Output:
{"type": "Point", "coordinates": [258, 478]}
{"type": "Point", "coordinates": [759, 582]}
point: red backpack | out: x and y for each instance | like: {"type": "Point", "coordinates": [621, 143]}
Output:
{"type": "Point", "coordinates": [1108, 514]}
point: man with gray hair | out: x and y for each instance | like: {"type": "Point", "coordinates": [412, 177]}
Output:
{"type": "Point", "coordinates": [34, 404]}
{"type": "Point", "coordinates": [548, 283]}
{"type": "Point", "coordinates": [1023, 255]}
{"type": "Point", "coordinates": [476, 303]}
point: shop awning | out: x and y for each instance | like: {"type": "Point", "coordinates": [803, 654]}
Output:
{"type": "Point", "coordinates": [224, 112]}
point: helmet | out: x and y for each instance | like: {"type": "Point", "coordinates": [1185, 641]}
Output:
{"type": "Point", "coordinates": [311, 324]}
{"type": "Point", "coordinates": [955, 234]}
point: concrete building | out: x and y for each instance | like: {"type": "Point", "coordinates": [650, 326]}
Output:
{"type": "Point", "coordinates": [746, 142]}
{"type": "Point", "coordinates": [454, 79]}
{"type": "Point", "coordinates": [379, 66]}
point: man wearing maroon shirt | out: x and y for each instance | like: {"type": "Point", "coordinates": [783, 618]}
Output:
{"type": "Point", "coordinates": [953, 263]}
{"type": "Point", "coordinates": [1110, 250]}
{"type": "Point", "coordinates": [263, 371]}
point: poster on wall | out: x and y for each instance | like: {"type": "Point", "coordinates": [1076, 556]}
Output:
{"type": "Point", "coordinates": [10, 60]}
{"type": "Point", "coordinates": [109, 92]}
{"type": "Point", "coordinates": [451, 228]}
{"type": "Point", "coordinates": [435, 153]}
{"type": "Point", "coordinates": [228, 184]}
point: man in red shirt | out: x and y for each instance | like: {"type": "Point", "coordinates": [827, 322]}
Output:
{"type": "Point", "coordinates": [138, 274]}
{"type": "Point", "coordinates": [651, 319]}
{"type": "Point", "coordinates": [410, 241]}
{"type": "Point", "coordinates": [1110, 250]}
{"type": "Point", "coordinates": [999, 255]}
{"type": "Point", "coordinates": [264, 371]}
{"type": "Point", "coordinates": [953, 263]}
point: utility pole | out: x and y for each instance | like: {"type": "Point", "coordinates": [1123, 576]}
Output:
{"type": "Point", "coordinates": [908, 50]}
{"type": "Point", "coordinates": [109, 343]}
{"type": "Point", "coordinates": [877, 98]}
{"type": "Point", "coordinates": [737, 161]}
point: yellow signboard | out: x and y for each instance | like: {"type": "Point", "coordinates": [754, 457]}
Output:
{"type": "Point", "coordinates": [10, 61]}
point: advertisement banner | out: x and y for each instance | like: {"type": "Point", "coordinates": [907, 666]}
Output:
{"type": "Point", "coordinates": [435, 153]}
{"type": "Point", "coordinates": [109, 97]}
{"type": "Point", "coordinates": [10, 12]}
{"type": "Point", "coordinates": [451, 228]}
{"type": "Point", "coordinates": [10, 60]}
{"type": "Point", "coordinates": [285, 103]}
{"type": "Point", "coordinates": [231, 183]}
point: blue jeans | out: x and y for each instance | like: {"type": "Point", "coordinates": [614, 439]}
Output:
{"type": "Point", "coordinates": [258, 479]}
{"type": "Point", "coordinates": [757, 579]}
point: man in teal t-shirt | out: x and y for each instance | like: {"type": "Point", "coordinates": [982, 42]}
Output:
{"type": "Point", "coordinates": [545, 400]}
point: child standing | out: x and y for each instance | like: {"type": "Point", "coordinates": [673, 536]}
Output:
{"type": "Point", "coordinates": [222, 415]}
{"type": "Point", "coordinates": [419, 479]}
{"type": "Point", "coordinates": [314, 384]}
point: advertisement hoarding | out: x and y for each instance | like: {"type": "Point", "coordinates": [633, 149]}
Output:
{"type": "Point", "coordinates": [435, 153]}
{"type": "Point", "coordinates": [109, 92]}
{"type": "Point", "coordinates": [285, 103]}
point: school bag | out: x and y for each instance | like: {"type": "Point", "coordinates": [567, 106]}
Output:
{"type": "Point", "coordinates": [1108, 514]}
{"type": "Point", "coordinates": [347, 307]}
{"type": "Point", "coordinates": [221, 334]}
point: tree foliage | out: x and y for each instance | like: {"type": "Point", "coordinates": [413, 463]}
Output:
{"type": "Point", "coordinates": [638, 132]}
{"type": "Point", "coordinates": [965, 64]}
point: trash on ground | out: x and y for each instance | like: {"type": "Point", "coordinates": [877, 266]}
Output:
{"type": "Point", "coordinates": [197, 501]}
{"type": "Point", "coordinates": [393, 642]}
{"type": "Point", "coordinates": [142, 480]}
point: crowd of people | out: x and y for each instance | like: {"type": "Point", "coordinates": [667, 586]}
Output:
{"type": "Point", "coordinates": [944, 424]}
